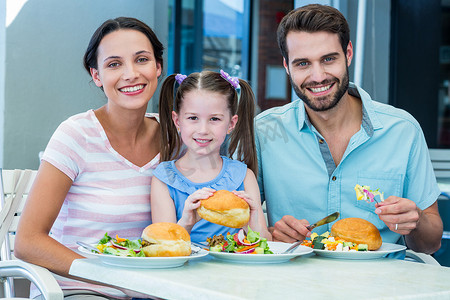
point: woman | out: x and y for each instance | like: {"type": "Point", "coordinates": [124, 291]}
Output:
{"type": "Point", "coordinates": [96, 170]}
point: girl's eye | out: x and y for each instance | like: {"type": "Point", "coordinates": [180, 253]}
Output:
{"type": "Point", "coordinates": [215, 119]}
{"type": "Point", "coordinates": [192, 118]}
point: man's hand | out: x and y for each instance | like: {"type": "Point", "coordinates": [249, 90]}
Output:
{"type": "Point", "coordinates": [401, 215]}
{"type": "Point", "coordinates": [290, 229]}
{"type": "Point", "coordinates": [422, 228]}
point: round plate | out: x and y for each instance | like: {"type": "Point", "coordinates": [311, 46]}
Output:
{"type": "Point", "coordinates": [385, 249]}
{"type": "Point", "coordinates": [145, 262]}
{"type": "Point", "coordinates": [277, 256]}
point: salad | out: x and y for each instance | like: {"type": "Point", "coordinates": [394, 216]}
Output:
{"type": "Point", "coordinates": [327, 242]}
{"type": "Point", "coordinates": [120, 246]}
{"type": "Point", "coordinates": [365, 193]}
{"type": "Point", "coordinates": [240, 243]}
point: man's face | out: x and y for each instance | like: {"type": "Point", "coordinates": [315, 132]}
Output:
{"type": "Point", "coordinates": [318, 68]}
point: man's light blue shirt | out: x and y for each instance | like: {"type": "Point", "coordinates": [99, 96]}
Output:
{"type": "Point", "coordinates": [298, 177]}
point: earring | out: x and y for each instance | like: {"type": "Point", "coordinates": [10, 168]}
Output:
{"type": "Point", "coordinates": [229, 131]}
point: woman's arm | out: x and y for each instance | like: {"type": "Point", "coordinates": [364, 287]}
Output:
{"type": "Point", "coordinates": [33, 243]}
{"type": "Point", "coordinates": [257, 219]}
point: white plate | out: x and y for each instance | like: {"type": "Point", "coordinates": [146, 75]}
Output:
{"type": "Point", "coordinates": [145, 262]}
{"type": "Point", "coordinates": [385, 249]}
{"type": "Point", "coordinates": [276, 247]}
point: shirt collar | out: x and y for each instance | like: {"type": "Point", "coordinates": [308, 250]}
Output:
{"type": "Point", "coordinates": [370, 120]}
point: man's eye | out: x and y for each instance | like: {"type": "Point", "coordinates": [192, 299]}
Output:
{"type": "Point", "coordinates": [302, 64]}
{"type": "Point", "coordinates": [142, 59]}
{"type": "Point", "coordinates": [328, 59]}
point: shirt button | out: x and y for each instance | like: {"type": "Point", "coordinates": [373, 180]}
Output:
{"type": "Point", "coordinates": [321, 141]}
{"type": "Point", "coordinates": [333, 178]}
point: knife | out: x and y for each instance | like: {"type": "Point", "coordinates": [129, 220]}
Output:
{"type": "Point", "coordinates": [324, 221]}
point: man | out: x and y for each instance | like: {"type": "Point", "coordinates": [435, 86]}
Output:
{"type": "Point", "coordinates": [312, 152]}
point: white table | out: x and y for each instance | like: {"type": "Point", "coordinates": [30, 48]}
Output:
{"type": "Point", "coordinates": [306, 277]}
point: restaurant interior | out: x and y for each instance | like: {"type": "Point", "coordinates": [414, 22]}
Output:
{"type": "Point", "coordinates": [399, 60]}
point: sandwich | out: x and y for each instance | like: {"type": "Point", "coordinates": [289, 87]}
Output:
{"type": "Point", "coordinates": [166, 239]}
{"type": "Point", "coordinates": [358, 231]}
{"type": "Point", "coordinates": [225, 208]}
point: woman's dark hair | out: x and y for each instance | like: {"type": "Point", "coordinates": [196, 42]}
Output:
{"type": "Point", "coordinates": [241, 139]}
{"type": "Point", "coordinates": [313, 18]}
{"type": "Point", "coordinates": [111, 25]}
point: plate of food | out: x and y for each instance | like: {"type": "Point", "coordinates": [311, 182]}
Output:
{"type": "Point", "coordinates": [162, 245]}
{"type": "Point", "coordinates": [251, 248]}
{"type": "Point", "coordinates": [351, 238]}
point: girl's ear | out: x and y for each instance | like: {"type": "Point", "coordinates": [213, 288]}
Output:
{"type": "Point", "coordinates": [233, 123]}
{"type": "Point", "coordinates": [96, 77]}
{"type": "Point", "coordinates": [176, 120]}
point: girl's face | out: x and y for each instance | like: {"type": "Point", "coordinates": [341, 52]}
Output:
{"type": "Point", "coordinates": [204, 121]}
{"type": "Point", "coordinates": [127, 69]}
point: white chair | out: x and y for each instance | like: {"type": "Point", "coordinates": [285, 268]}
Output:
{"type": "Point", "coordinates": [421, 258]}
{"type": "Point", "coordinates": [14, 186]}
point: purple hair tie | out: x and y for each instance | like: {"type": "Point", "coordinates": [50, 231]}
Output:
{"type": "Point", "coordinates": [234, 81]}
{"type": "Point", "coordinates": [180, 77]}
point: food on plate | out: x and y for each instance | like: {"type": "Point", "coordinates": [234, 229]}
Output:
{"type": "Point", "coordinates": [358, 231]}
{"type": "Point", "coordinates": [349, 234]}
{"type": "Point", "coordinates": [327, 242]}
{"type": "Point", "coordinates": [363, 192]}
{"type": "Point", "coordinates": [240, 243]}
{"type": "Point", "coordinates": [166, 239]}
{"type": "Point", "coordinates": [225, 208]}
{"type": "Point", "coordinates": [120, 246]}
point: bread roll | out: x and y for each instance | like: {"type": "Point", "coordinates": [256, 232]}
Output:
{"type": "Point", "coordinates": [358, 231]}
{"type": "Point", "coordinates": [166, 239]}
{"type": "Point", "coordinates": [225, 208]}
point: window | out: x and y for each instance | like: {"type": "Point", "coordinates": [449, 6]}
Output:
{"type": "Point", "coordinates": [209, 35]}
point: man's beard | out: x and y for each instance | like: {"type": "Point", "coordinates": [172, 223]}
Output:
{"type": "Point", "coordinates": [326, 102]}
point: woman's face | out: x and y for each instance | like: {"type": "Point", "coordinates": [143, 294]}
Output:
{"type": "Point", "coordinates": [127, 69]}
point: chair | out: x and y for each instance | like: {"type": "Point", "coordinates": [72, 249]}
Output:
{"type": "Point", "coordinates": [14, 186]}
{"type": "Point", "coordinates": [421, 258]}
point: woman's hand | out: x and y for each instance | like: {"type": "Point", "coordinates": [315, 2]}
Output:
{"type": "Point", "coordinates": [190, 215]}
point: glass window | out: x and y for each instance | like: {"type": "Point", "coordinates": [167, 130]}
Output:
{"type": "Point", "coordinates": [209, 35]}
{"type": "Point", "coordinates": [444, 88]}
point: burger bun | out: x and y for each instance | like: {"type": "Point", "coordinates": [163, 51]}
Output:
{"type": "Point", "coordinates": [358, 231]}
{"type": "Point", "coordinates": [166, 239]}
{"type": "Point", "coordinates": [225, 208]}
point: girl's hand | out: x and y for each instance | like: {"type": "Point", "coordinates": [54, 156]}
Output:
{"type": "Point", "coordinates": [190, 215]}
{"type": "Point", "coordinates": [248, 199]}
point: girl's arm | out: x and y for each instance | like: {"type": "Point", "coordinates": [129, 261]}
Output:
{"type": "Point", "coordinates": [33, 243]}
{"type": "Point", "coordinates": [162, 206]}
{"type": "Point", "coordinates": [257, 220]}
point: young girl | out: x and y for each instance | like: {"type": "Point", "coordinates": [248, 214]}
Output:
{"type": "Point", "coordinates": [206, 108]}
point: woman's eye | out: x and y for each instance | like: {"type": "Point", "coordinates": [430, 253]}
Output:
{"type": "Point", "coordinates": [192, 118]}
{"type": "Point", "coordinates": [113, 65]}
{"type": "Point", "coordinates": [215, 119]}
